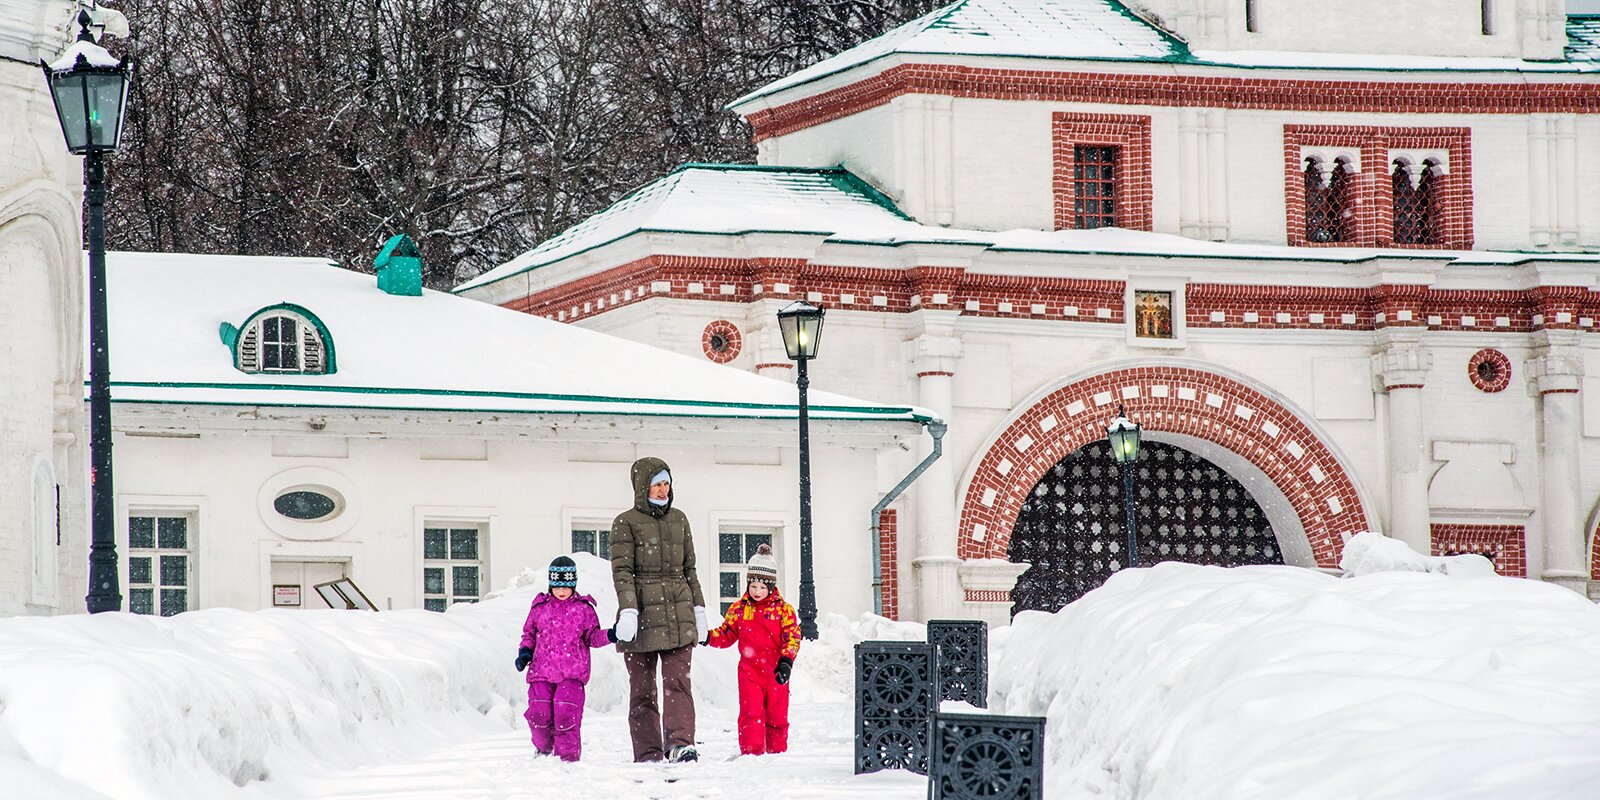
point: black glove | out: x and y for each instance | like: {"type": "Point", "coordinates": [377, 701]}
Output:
{"type": "Point", "coordinates": [611, 634]}
{"type": "Point", "coordinates": [781, 672]}
{"type": "Point", "coordinates": [524, 655]}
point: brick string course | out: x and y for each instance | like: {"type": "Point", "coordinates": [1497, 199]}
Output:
{"type": "Point", "coordinates": [1221, 411]}
{"type": "Point", "coordinates": [1177, 91]}
{"type": "Point", "coordinates": [1028, 297]}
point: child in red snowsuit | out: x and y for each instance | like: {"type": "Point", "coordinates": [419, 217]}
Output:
{"type": "Point", "coordinates": [768, 634]}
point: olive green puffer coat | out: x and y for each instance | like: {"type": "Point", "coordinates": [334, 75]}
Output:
{"type": "Point", "coordinates": [652, 566]}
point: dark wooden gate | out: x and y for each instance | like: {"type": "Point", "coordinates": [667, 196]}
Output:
{"type": "Point", "coordinates": [1186, 509]}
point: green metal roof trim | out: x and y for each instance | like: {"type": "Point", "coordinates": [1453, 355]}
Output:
{"type": "Point", "coordinates": [646, 210]}
{"type": "Point", "coordinates": [1583, 37]}
{"type": "Point", "coordinates": [869, 412]}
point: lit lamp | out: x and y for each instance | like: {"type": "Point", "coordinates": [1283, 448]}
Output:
{"type": "Point", "coordinates": [801, 326]}
{"type": "Point", "coordinates": [1124, 437]}
{"type": "Point", "coordinates": [90, 89]}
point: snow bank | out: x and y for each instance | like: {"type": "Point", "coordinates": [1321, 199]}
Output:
{"type": "Point", "coordinates": [1183, 681]}
{"type": "Point", "coordinates": [1367, 553]}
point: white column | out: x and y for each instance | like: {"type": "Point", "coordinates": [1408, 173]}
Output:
{"type": "Point", "coordinates": [1402, 364]}
{"type": "Point", "coordinates": [1216, 176]}
{"type": "Point", "coordinates": [935, 355]}
{"type": "Point", "coordinates": [1190, 218]}
{"type": "Point", "coordinates": [1566, 178]}
{"type": "Point", "coordinates": [1557, 372]}
{"type": "Point", "coordinates": [1539, 188]}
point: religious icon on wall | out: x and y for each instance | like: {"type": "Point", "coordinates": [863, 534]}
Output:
{"type": "Point", "coordinates": [1152, 315]}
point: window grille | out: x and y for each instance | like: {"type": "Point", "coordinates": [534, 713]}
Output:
{"type": "Point", "coordinates": [158, 564]}
{"type": "Point", "coordinates": [1094, 174]}
{"type": "Point", "coordinates": [1413, 206]}
{"type": "Point", "coordinates": [735, 546]}
{"type": "Point", "coordinates": [1327, 214]}
{"type": "Point", "coordinates": [452, 566]}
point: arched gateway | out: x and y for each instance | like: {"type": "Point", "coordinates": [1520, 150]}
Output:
{"type": "Point", "coordinates": [1301, 485]}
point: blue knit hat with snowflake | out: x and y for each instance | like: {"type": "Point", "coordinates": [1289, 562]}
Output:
{"type": "Point", "coordinates": [563, 573]}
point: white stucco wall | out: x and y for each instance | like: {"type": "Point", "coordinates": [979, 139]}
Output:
{"type": "Point", "coordinates": [527, 487]}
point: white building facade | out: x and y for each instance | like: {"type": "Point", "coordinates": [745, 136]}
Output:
{"type": "Point", "coordinates": [43, 447]}
{"type": "Point", "coordinates": [281, 424]}
{"type": "Point", "coordinates": [1345, 276]}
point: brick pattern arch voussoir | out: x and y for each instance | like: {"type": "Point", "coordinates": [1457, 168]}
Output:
{"type": "Point", "coordinates": [1177, 400]}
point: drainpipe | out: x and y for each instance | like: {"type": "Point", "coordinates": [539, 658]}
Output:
{"type": "Point", "coordinates": [936, 429]}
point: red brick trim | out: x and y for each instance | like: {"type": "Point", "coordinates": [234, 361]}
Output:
{"type": "Point", "coordinates": [1130, 134]}
{"type": "Point", "coordinates": [775, 365]}
{"type": "Point", "coordinates": [988, 596]}
{"type": "Point", "coordinates": [1389, 387]}
{"type": "Point", "coordinates": [1371, 191]}
{"type": "Point", "coordinates": [1361, 95]}
{"type": "Point", "coordinates": [1501, 377]}
{"type": "Point", "coordinates": [1505, 545]}
{"type": "Point", "coordinates": [888, 563]}
{"type": "Point", "coordinates": [935, 374]}
{"type": "Point", "coordinates": [1558, 391]}
{"type": "Point", "coordinates": [1162, 398]}
{"type": "Point", "coordinates": [731, 341]}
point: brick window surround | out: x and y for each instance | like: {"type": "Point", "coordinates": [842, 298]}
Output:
{"type": "Point", "coordinates": [1371, 191]}
{"type": "Point", "coordinates": [1174, 399]}
{"type": "Point", "coordinates": [1130, 135]}
{"type": "Point", "coordinates": [1505, 545]}
{"type": "Point", "coordinates": [1489, 370]}
{"type": "Point", "coordinates": [721, 341]}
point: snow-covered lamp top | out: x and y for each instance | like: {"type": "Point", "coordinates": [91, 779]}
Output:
{"type": "Point", "coordinates": [90, 89]}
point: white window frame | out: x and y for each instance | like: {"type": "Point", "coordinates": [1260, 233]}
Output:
{"type": "Point", "coordinates": [481, 520]}
{"type": "Point", "coordinates": [310, 351]}
{"type": "Point", "coordinates": [779, 524]}
{"type": "Point", "coordinates": [195, 508]}
{"type": "Point", "coordinates": [587, 519]}
{"type": "Point", "coordinates": [158, 554]}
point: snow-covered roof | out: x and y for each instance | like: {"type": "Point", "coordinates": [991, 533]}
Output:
{"type": "Point", "coordinates": [1105, 30]}
{"type": "Point", "coordinates": [716, 198]}
{"type": "Point", "coordinates": [727, 200]}
{"type": "Point", "coordinates": [433, 352]}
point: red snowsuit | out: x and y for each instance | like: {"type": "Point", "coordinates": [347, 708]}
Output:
{"type": "Point", "coordinates": [766, 631]}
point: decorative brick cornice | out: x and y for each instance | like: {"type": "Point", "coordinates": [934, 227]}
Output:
{"type": "Point", "coordinates": [1359, 95]}
{"type": "Point", "coordinates": [1182, 400]}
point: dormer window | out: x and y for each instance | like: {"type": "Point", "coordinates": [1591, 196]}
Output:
{"type": "Point", "coordinates": [283, 339]}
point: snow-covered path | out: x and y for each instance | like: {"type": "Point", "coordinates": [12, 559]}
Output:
{"type": "Point", "coordinates": [505, 767]}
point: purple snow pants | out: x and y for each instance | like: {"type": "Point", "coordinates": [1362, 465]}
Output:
{"type": "Point", "coordinates": [555, 718]}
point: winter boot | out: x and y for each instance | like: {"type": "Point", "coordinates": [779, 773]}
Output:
{"type": "Point", "coordinates": [682, 753]}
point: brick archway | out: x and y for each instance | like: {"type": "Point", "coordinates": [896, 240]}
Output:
{"type": "Point", "coordinates": [1172, 399]}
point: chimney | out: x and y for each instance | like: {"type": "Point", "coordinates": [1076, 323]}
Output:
{"type": "Point", "coordinates": [399, 266]}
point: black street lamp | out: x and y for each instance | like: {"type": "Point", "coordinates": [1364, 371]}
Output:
{"type": "Point", "coordinates": [90, 89]}
{"type": "Point", "coordinates": [801, 325]}
{"type": "Point", "coordinates": [1124, 437]}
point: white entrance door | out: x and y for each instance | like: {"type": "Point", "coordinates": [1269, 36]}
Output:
{"type": "Point", "coordinates": [294, 579]}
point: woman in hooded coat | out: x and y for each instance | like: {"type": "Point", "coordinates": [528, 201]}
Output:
{"type": "Point", "coordinates": [661, 614]}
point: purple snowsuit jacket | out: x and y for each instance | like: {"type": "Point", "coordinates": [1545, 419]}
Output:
{"type": "Point", "coordinates": [560, 632]}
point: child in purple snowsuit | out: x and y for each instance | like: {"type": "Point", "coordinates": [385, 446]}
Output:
{"type": "Point", "coordinates": [561, 627]}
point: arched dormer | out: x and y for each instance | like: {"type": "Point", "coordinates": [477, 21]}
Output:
{"type": "Point", "coordinates": [281, 339]}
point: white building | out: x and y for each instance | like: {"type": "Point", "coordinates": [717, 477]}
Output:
{"type": "Point", "coordinates": [43, 444]}
{"type": "Point", "coordinates": [281, 423]}
{"type": "Point", "coordinates": [1343, 272]}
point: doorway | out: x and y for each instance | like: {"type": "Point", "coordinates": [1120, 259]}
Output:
{"type": "Point", "coordinates": [292, 581]}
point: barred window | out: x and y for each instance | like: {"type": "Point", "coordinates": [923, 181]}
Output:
{"type": "Point", "coordinates": [1327, 202]}
{"type": "Point", "coordinates": [1414, 212]}
{"type": "Point", "coordinates": [1095, 186]}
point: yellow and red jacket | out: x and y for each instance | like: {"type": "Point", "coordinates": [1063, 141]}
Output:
{"type": "Point", "coordinates": [765, 630]}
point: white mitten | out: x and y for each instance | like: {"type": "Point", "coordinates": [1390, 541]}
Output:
{"type": "Point", "coordinates": [702, 628]}
{"type": "Point", "coordinates": [627, 624]}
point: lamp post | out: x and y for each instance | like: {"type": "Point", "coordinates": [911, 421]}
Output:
{"type": "Point", "coordinates": [1124, 437]}
{"type": "Point", "coordinates": [90, 89]}
{"type": "Point", "coordinates": [801, 325]}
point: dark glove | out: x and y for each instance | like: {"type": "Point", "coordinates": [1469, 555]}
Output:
{"type": "Point", "coordinates": [524, 655]}
{"type": "Point", "coordinates": [781, 672]}
{"type": "Point", "coordinates": [611, 634]}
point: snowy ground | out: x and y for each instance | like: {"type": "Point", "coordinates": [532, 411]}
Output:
{"type": "Point", "coordinates": [1171, 682]}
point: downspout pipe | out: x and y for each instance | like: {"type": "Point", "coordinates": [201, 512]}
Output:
{"type": "Point", "coordinates": [936, 428]}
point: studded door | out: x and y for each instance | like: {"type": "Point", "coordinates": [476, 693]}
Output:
{"type": "Point", "coordinates": [1186, 509]}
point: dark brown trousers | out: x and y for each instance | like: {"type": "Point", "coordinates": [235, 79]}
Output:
{"type": "Point", "coordinates": [650, 728]}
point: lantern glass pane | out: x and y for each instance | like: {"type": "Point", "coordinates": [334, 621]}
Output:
{"type": "Point", "coordinates": [69, 92]}
{"type": "Point", "coordinates": [105, 108]}
{"type": "Point", "coordinates": [789, 326]}
{"type": "Point", "coordinates": [810, 336]}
